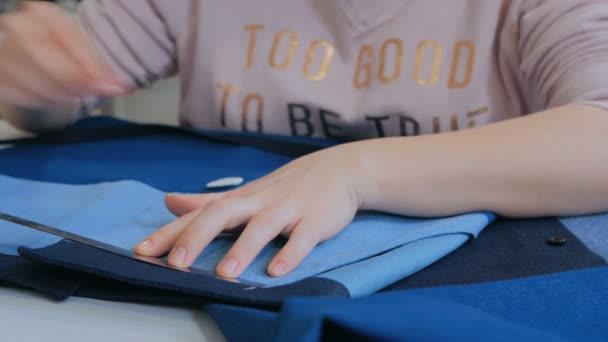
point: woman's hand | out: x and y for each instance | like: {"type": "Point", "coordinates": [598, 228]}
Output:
{"type": "Point", "coordinates": [46, 62]}
{"type": "Point", "coordinates": [544, 172]}
{"type": "Point", "coordinates": [308, 200]}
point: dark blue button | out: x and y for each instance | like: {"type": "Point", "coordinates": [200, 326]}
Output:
{"type": "Point", "coordinates": [557, 241]}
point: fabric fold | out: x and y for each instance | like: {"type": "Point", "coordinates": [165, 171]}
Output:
{"type": "Point", "coordinates": [123, 213]}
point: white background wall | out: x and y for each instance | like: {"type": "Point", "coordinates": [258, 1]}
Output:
{"type": "Point", "coordinates": [7, 131]}
{"type": "Point", "coordinates": [159, 104]}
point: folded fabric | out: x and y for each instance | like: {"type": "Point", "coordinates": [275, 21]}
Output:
{"type": "Point", "coordinates": [102, 152]}
{"type": "Point", "coordinates": [103, 149]}
{"type": "Point", "coordinates": [591, 229]}
{"type": "Point", "coordinates": [568, 306]}
{"type": "Point", "coordinates": [123, 213]}
{"type": "Point", "coordinates": [508, 249]}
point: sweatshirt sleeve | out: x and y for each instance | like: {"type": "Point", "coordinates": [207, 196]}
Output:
{"type": "Point", "coordinates": [563, 51]}
{"type": "Point", "coordinates": [133, 36]}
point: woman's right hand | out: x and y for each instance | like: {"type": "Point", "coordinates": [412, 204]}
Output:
{"type": "Point", "coordinates": [46, 61]}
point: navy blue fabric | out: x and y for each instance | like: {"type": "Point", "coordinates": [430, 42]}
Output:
{"type": "Point", "coordinates": [57, 283]}
{"type": "Point", "coordinates": [78, 257]}
{"type": "Point", "coordinates": [125, 212]}
{"type": "Point", "coordinates": [88, 131]}
{"type": "Point", "coordinates": [245, 324]}
{"type": "Point", "coordinates": [568, 306]}
{"type": "Point", "coordinates": [507, 249]}
{"type": "Point", "coordinates": [91, 286]}
{"type": "Point", "coordinates": [101, 152]}
{"type": "Point", "coordinates": [160, 151]}
{"type": "Point", "coordinates": [158, 155]}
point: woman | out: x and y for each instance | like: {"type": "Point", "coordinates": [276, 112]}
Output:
{"type": "Point", "coordinates": [447, 85]}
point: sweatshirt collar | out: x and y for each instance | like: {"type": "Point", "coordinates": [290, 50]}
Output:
{"type": "Point", "coordinates": [363, 16]}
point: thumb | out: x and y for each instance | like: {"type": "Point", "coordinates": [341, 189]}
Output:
{"type": "Point", "coordinates": [181, 204]}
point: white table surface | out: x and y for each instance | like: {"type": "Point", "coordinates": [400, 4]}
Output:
{"type": "Point", "coordinates": [27, 316]}
{"type": "Point", "coordinates": [9, 132]}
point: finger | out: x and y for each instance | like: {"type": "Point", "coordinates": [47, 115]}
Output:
{"type": "Point", "coordinates": [5, 21]}
{"type": "Point", "coordinates": [302, 241]}
{"type": "Point", "coordinates": [216, 217]}
{"type": "Point", "coordinates": [8, 21]}
{"type": "Point", "coordinates": [67, 33]}
{"type": "Point", "coordinates": [259, 232]}
{"type": "Point", "coordinates": [19, 98]}
{"type": "Point", "coordinates": [105, 79]}
{"type": "Point", "coordinates": [20, 80]}
{"type": "Point", "coordinates": [42, 66]}
{"type": "Point", "coordinates": [30, 50]}
{"type": "Point", "coordinates": [181, 204]}
{"type": "Point", "coordinates": [61, 70]}
{"type": "Point", "coordinates": [40, 90]}
{"type": "Point", "coordinates": [161, 241]}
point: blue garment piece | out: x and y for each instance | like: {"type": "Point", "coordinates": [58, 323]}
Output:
{"type": "Point", "coordinates": [105, 150]}
{"type": "Point", "coordinates": [123, 213]}
{"type": "Point", "coordinates": [591, 230]}
{"type": "Point", "coordinates": [81, 258]}
{"type": "Point", "coordinates": [169, 162]}
{"type": "Point", "coordinates": [568, 306]}
{"type": "Point", "coordinates": [120, 213]}
{"type": "Point", "coordinates": [507, 249]}
{"type": "Point", "coordinates": [251, 325]}
{"type": "Point", "coordinates": [373, 274]}
{"type": "Point", "coordinates": [92, 152]}
{"type": "Point", "coordinates": [572, 307]}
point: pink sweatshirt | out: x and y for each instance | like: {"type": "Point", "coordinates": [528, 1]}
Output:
{"type": "Point", "coordinates": [358, 68]}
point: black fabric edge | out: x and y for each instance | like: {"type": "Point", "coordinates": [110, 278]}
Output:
{"type": "Point", "coordinates": [74, 256]}
{"type": "Point", "coordinates": [20, 273]}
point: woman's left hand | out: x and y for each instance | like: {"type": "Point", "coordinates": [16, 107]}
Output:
{"type": "Point", "coordinates": [308, 200]}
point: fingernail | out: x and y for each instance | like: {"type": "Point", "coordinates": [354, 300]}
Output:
{"type": "Point", "coordinates": [144, 245]}
{"type": "Point", "coordinates": [178, 194]}
{"type": "Point", "coordinates": [278, 269]}
{"type": "Point", "coordinates": [109, 88]}
{"type": "Point", "coordinates": [178, 257]}
{"type": "Point", "coordinates": [79, 89]}
{"type": "Point", "coordinates": [228, 267]}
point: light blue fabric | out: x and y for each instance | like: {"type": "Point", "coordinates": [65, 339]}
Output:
{"type": "Point", "coordinates": [591, 230]}
{"type": "Point", "coordinates": [122, 213]}
{"type": "Point", "coordinates": [373, 274]}
{"type": "Point", "coordinates": [119, 213]}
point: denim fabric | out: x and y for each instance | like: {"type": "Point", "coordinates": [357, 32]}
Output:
{"type": "Point", "coordinates": [57, 283]}
{"type": "Point", "coordinates": [592, 230]}
{"type": "Point", "coordinates": [507, 249]}
{"type": "Point", "coordinates": [204, 287]}
{"type": "Point", "coordinates": [373, 274]}
{"type": "Point", "coordinates": [169, 162]}
{"type": "Point", "coordinates": [123, 213]}
{"type": "Point", "coordinates": [568, 306]}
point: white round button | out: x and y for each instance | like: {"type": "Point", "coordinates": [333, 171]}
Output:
{"type": "Point", "coordinates": [225, 182]}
